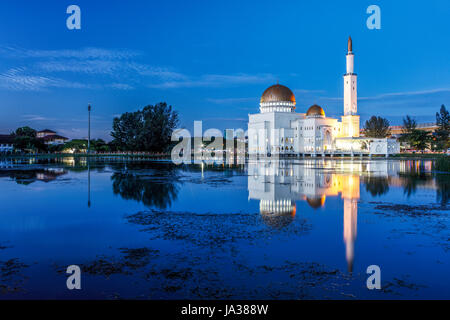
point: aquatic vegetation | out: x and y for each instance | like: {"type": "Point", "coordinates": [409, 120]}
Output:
{"type": "Point", "coordinates": [133, 259]}
{"type": "Point", "coordinates": [211, 230]}
{"type": "Point", "coordinates": [11, 275]}
{"type": "Point", "coordinates": [409, 210]}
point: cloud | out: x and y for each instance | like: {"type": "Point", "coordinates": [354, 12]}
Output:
{"type": "Point", "coordinates": [383, 96]}
{"type": "Point", "coordinates": [215, 80]}
{"type": "Point", "coordinates": [109, 68]}
{"type": "Point", "coordinates": [77, 66]}
{"type": "Point", "coordinates": [114, 68]}
{"type": "Point", "coordinates": [17, 79]}
{"type": "Point", "coordinates": [34, 117]}
{"type": "Point", "coordinates": [83, 53]}
{"type": "Point", "coordinates": [121, 86]}
{"type": "Point", "coordinates": [306, 91]}
{"type": "Point", "coordinates": [225, 119]}
{"type": "Point", "coordinates": [406, 94]}
{"type": "Point", "coordinates": [233, 100]}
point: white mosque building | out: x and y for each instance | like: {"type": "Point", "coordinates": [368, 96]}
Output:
{"type": "Point", "coordinates": [279, 130]}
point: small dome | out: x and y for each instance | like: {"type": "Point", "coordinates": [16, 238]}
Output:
{"type": "Point", "coordinates": [316, 202]}
{"type": "Point", "coordinates": [278, 93]}
{"type": "Point", "coordinates": [315, 111]}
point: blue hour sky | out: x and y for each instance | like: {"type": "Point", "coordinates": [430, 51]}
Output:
{"type": "Point", "coordinates": [211, 60]}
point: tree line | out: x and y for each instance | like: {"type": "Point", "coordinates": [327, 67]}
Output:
{"type": "Point", "coordinates": [412, 136]}
{"type": "Point", "coordinates": [25, 140]}
{"type": "Point", "coordinates": [150, 130]}
{"type": "Point", "coordinates": [146, 130]}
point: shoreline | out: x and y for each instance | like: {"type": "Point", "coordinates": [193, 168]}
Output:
{"type": "Point", "coordinates": [167, 156]}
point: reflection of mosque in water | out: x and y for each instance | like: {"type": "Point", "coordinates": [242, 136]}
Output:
{"type": "Point", "coordinates": [279, 184]}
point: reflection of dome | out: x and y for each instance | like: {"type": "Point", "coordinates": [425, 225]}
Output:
{"type": "Point", "coordinates": [277, 214]}
{"type": "Point", "coordinates": [315, 111]}
{"type": "Point", "coordinates": [278, 93]}
{"type": "Point", "coordinates": [316, 203]}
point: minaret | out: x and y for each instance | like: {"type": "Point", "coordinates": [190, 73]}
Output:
{"type": "Point", "coordinates": [350, 89]}
{"type": "Point", "coordinates": [350, 120]}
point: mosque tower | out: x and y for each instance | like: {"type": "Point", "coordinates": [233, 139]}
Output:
{"type": "Point", "coordinates": [350, 120]}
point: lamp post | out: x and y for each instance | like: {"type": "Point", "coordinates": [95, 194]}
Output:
{"type": "Point", "coordinates": [89, 130]}
{"type": "Point", "coordinates": [88, 154]}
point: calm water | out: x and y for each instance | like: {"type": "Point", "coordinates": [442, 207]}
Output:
{"type": "Point", "coordinates": [282, 229]}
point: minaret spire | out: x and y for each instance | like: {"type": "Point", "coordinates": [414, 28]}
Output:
{"type": "Point", "coordinates": [350, 120]}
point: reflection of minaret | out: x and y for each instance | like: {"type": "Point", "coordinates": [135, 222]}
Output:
{"type": "Point", "coordinates": [350, 225]}
{"type": "Point", "coordinates": [350, 193]}
{"type": "Point", "coordinates": [89, 183]}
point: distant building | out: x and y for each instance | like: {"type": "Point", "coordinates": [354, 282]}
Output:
{"type": "Point", "coordinates": [54, 139]}
{"type": "Point", "coordinates": [44, 133]}
{"type": "Point", "coordinates": [50, 137]}
{"type": "Point", "coordinates": [6, 143]}
{"type": "Point", "coordinates": [431, 127]}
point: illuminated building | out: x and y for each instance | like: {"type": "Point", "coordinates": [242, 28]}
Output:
{"type": "Point", "coordinates": [279, 130]}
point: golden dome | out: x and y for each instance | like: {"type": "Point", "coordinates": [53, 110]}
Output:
{"type": "Point", "coordinates": [316, 202]}
{"type": "Point", "coordinates": [315, 111]}
{"type": "Point", "coordinates": [278, 93]}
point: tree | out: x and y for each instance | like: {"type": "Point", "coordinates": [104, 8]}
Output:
{"type": "Point", "coordinates": [419, 140]}
{"type": "Point", "coordinates": [415, 138]}
{"type": "Point", "coordinates": [127, 130]}
{"type": "Point", "coordinates": [149, 129]}
{"type": "Point", "coordinates": [377, 186]}
{"type": "Point", "coordinates": [25, 140]}
{"type": "Point", "coordinates": [76, 145]}
{"type": "Point", "coordinates": [99, 145]}
{"type": "Point", "coordinates": [25, 132]}
{"type": "Point", "coordinates": [409, 125]}
{"type": "Point", "coordinates": [443, 130]}
{"type": "Point", "coordinates": [377, 127]}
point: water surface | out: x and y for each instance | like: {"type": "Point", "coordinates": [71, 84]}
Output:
{"type": "Point", "coordinates": [297, 229]}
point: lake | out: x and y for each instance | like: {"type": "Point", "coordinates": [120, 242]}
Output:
{"type": "Point", "coordinates": [281, 229]}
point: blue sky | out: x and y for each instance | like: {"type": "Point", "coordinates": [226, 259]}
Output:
{"type": "Point", "coordinates": [211, 60]}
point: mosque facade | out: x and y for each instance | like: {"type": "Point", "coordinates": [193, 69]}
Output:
{"type": "Point", "coordinates": [279, 130]}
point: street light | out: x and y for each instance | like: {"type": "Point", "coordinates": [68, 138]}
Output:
{"type": "Point", "coordinates": [88, 159]}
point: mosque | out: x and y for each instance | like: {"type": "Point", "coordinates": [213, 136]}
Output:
{"type": "Point", "coordinates": [279, 130]}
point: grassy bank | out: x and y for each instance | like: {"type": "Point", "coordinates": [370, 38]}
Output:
{"type": "Point", "coordinates": [419, 156]}
{"type": "Point", "coordinates": [84, 155]}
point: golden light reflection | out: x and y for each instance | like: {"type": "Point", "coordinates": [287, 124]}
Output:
{"type": "Point", "coordinates": [279, 184]}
